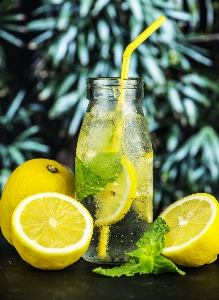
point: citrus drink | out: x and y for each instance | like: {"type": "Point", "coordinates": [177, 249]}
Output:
{"type": "Point", "coordinates": [113, 176]}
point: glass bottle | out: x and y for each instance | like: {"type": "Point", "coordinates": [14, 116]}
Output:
{"type": "Point", "coordinates": [114, 167]}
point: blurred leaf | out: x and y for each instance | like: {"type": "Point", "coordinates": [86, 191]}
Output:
{"type": "Point", "coordinates": [136, 9]}
{"type": "Point", "coordinates": [151, 66]}
{"type": "Point", "coordinates": [16, 155]}
{"type": "Point", "coordinates": [103, 30]}
{"type": "Point", "coordinates": [64, 103]}
{"type": "Point", "coordinates": [31, 146]}
{"type": "Point", "coordinates": [12, 17]}
{"type": "Point", "coordinates": [195, 55]}
{"type": "Point", "coordinates": [191, 111]}
{"type": "Point", "coordinates": [48, 90]}
{"type": "Point", "coordinates": [79, 114]}
{"type": "Point", "coordinates": [191, 92]}
{"type": "Point", "coordinates": [201, 81]}
{"type": "Point", "coordinates": [64, 16]}
{"type": "Point", "coordinates": [210, 15]}
{"type": "Point", "coordinates": [85, 6]}
{"type": "Point", "coordinates": [40, 39]}
{"type": "Point", "coordinates": [14, 27]}
{"type": "Point", "coordinates": [82, 50]}
{"type": "Point", "coordinates": [14, 106]}
{"type": "Point", "coordinates": [11, 38]}
{"type": "Point", "coordinates": [178, 15]}
{"type": "Point", "coordinates": [66, 84]}
{"type": "Point", "coordinates": [27, 133]}
{"type": "Point", "coordinates": [173, 138]}
{"type": "Point", "coordinates": [99, 5]}
{"type": "Point", "coordinates": [174, 97]}
{"type": "Point", "coordinates": [42, 24]}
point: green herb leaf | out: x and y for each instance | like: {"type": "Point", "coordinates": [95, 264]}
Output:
{"type": "Point", "coordinates": [163, 264]}
{"type": "Point", "coordinates": [128, 269]}
{"type": "Point", "coordinates": [87, 182]}
{"type": "Point", "coordinates": [100, 163]}
{"type": "Point", "coordinates": [93, 177]}
{"type": "Point", "coordinates": [147, 258]}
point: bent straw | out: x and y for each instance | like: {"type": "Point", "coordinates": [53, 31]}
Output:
{"type": "Point", "coordinates": [134, 44]}
{"type": "Point", "coordinates": [129, 50]}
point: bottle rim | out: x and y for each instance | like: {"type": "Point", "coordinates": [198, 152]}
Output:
{"type": "Point", "coordinates": [105, 82]}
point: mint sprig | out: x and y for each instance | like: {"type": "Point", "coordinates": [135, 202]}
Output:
{"type": "Point", "coordinates": [147, 258]}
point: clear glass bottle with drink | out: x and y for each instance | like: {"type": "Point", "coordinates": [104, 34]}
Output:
{"type": "Point", "coordinates": [114, 167]}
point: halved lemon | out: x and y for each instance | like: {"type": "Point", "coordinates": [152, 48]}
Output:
{"type": "Point", "coordinates": [193, 239]}
{"type": "Point", "coordinates": [115, 201]}
{"type": "Point", "coordinates": [51, 230]}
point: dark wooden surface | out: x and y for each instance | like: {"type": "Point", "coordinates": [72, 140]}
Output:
{"type": "Point", "coordinates": [20, 281]}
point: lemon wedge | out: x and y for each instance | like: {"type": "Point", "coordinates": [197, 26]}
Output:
{"type": "Point", "coordinates": [115, 201]}
{"type": "Point", "coordinates": [51, 230]}
{"type": "Point", "coordinates": [193, 239]}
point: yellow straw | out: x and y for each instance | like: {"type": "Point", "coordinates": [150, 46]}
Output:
{"type": "Point", "coordinates": [103, 241]}
{"type": "Point", "coordinates": [133, 45]}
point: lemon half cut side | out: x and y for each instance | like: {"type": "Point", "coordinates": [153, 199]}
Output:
{"type": "Point", "coordinates": [193, 239]}
{"type": "Point", "coordinates": [115, 201]}
{"type": "Point", "coordinates": [51, 230]}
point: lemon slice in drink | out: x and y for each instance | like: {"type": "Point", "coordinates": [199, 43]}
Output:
{"type": "Point", "coordinates": [193, 239]}
{"type": "Point", "coordinates": [115, 201]}
{"type": "Point", "coordinates": [51, 230]}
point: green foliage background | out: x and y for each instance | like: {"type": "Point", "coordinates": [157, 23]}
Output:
{"type": "Point", "coordinates": [49, 48]}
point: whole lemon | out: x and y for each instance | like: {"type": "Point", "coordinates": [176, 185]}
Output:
{"type": "Point", "coordinates": [33, 176]}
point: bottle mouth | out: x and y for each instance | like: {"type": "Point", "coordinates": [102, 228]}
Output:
{"type": "Point", "coordinates": [104, 82]}
{"type": "Point", "coordinates": [111, 88]}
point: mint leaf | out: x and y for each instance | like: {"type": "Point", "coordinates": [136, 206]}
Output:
{"type": "Point", "coordinates": [92, 178]}
{"type": "Point", "coordinates": [87, 182]}
{"type": "Point", "coordinates": [147, 258]}
{"type": "Point", "coordinates": [163, 264]}
{"type": "Point", "coordinates": [100, 163]}
{"type": "Point", "coordinates": [128, 269]}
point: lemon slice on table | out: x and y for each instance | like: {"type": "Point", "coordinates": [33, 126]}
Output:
{"type": "Point", "coordinates": [115, 201]}
{"type": "Point", "coordinates": [51, 230]}
{"type": "Point", "coordinates": [193, 239]}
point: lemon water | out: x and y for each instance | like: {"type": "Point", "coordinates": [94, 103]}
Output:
{"type": "Point", "coordinates": [114, 162]}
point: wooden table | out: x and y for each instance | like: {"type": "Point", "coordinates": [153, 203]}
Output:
{"type": "Point", "coordinates": [20, 281]}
